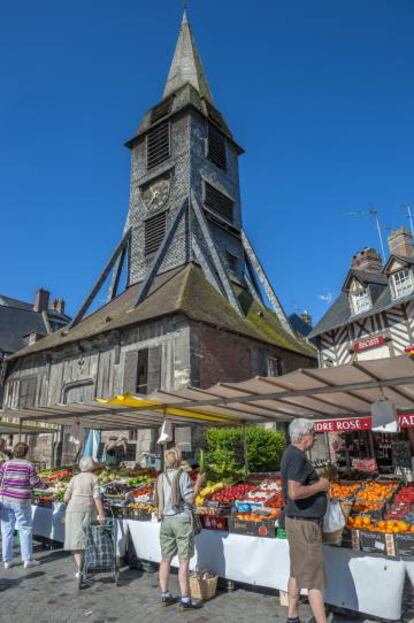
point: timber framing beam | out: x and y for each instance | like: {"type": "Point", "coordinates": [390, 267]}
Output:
{"type": "Point", "coordinates": [101, 280]}
{"type": "Point", "coordinates": [160, 255]}
{"type": "Point", "coordinates": [271, 294]}
{"type": "Point", "coordinates": [218, 264]}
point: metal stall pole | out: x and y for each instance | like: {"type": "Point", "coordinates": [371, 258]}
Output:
{"type": "Point", "coordinates": [245, 456]}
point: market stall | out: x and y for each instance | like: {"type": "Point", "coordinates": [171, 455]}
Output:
{"type": "Point", "coordinates": [241, 540]}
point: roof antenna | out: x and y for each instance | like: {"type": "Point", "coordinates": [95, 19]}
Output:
{"type": "Point", "coordinates": [373, 212]}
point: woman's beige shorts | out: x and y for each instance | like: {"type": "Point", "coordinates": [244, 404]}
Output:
{"type": "Point", "coordinates": [307, 563]}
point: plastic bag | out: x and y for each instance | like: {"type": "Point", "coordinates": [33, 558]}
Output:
{"type": "Point", "coordinates": [334, 518]}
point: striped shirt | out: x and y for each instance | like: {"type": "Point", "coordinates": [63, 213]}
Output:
{"type": "Point", "coordinates": [17, 479]}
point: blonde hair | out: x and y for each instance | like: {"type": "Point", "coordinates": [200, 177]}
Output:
{"type": "Point", "coordinates": [173, 458]}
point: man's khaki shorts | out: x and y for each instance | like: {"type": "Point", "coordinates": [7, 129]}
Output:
{"type": "Point", "coordinates": [307, 563]}
{"type": "Point", "coordinates": [177, 537]}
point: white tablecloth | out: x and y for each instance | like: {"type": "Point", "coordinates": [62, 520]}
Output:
{"type": "Point", "coordinates": [366, 583]}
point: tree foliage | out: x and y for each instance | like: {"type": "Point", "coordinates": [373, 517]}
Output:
{"type": "Point", "coordinates": [224, 451]}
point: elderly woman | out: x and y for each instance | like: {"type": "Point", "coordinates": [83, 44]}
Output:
{"type": "Point", "coordinates": [174, 496]}
{"type": "Point", "coordinates": [17, 479]}
{"type": "Point", "coordinates": [83, 501]}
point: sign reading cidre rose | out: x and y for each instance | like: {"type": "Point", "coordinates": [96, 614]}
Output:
{"type": "Point", "coordinates": [406, 420]}
{"type": "Point", "coordinates": [343, 425]}
{"type": "Point", "coordinates": [369, 342]}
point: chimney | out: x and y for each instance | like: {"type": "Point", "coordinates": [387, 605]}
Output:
{"type": "Point", "coordinates": [59, 306]}
{"type": "Point", "coordinates": [41, 300]}
{"type": "Point", "coordinates": [306, 317]}
{"type": "Point", "coordinates": [367, 260]}
{"type": "Point", "coordinates": [400, 242]}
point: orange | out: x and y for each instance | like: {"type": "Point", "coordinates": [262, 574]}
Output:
{"type": "Point", "coordinates": [366, 521]}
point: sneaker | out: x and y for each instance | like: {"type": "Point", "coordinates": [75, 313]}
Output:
{"type": "Point", "coordinates": [31, 563]}
{"type": "Point", "coordinates": [8, 565]}
{"type": "Point", "coordinates": [190, 605]}
{"type": "Point", "coordinates": [168, 600]}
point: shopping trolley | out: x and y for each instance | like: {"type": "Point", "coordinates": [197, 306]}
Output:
{"type": "Point", "coordinates": [100, 550]}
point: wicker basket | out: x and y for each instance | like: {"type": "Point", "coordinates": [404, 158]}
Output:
{"type": "Point", "coordinates": [203, 586]}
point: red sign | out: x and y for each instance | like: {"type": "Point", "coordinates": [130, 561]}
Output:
{"type": "Point", "coordinates": [369, 342]}
{"type": "Point", "coordinates": [406, 420]}
{"type": "Point", "coordinates": [343, 425]}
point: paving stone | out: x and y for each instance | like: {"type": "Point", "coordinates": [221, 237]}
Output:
{"type": "Point", "coordinates": [51, 595]}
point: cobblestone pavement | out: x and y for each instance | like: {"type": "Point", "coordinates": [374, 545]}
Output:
{"type": "Point", "coordinates": [49, 594]}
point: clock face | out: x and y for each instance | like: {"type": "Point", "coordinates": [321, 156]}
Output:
{"type": "Point", "coordinates": [156, 195]}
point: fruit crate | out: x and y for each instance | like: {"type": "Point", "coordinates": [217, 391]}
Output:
{"type": "Point", "coordinates": [378, 543]}
{"type": "Point", "coordinates": [120, 512]}
{"type": "Point", "coordinates": [264, 528]}
{"type": "Point", "coordinates": [405, 545]}
{"type": "Point", "coordinates": [215, 522]}
{"type": "Point", "coordinates": [138, 514]}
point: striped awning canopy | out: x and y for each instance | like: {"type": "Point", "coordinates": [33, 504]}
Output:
{"type": "Point", "coordinates": [343, 391]}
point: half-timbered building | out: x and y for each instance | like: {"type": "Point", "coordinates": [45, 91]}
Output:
{"type": "Point", "coordinates": [373, 317]}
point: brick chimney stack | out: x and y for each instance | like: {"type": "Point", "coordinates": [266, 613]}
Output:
{"type": "Point", "coordinates": [367, 260]}
{"type": "Point", "coordinates": [41, 301]}
{"type": "Point", "coordinates": [59, 306]}
{"type": "Point", "coordinates": [400, 242]}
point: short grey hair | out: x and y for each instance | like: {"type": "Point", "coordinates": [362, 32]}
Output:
{"type": "Point", "coordinates": [86, 464]}
{"type": "Point", "coordinates": [299, 428]}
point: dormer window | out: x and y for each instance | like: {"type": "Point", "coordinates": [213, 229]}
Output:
{"type": "Point", "coordinates": [360, 301]}
{"type": "Point", "coordinates": [402, 283]}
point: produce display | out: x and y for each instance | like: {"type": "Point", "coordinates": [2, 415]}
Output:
{"type": "Point", "coordinates": [375, 510]}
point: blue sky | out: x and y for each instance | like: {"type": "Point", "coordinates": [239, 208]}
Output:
{"type": "Point", "coordinates": [320, 94]}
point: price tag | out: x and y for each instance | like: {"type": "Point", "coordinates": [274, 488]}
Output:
{"type": "Point", "coordinates": [379, 545]}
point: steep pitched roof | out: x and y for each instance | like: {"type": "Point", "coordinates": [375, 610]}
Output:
{"type": "Point", "coordinates": [186, 65]}
{"type": "Point", "coordinates": [340, 313]}
{"type": "Point", "coordinates": [183, 290]}
{"type": "Point", "coordinates": [17, 320]}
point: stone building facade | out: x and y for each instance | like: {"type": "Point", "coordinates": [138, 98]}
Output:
{"type": "Point", "coordinates": [194, 309]}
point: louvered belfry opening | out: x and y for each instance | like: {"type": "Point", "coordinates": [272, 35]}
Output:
{"type": "Point", "coordinates": [214, 115]}
{"type": "Point", "coordinates": [216, 147]}
{"type": "Point", "coordinates": [161, 110]}
{"type": "Point", "coordinates": [218, 202]}
{"type": "Point", "coordinates": [158, 144]}
{"type": "Point", "coordinates": [154, 232]}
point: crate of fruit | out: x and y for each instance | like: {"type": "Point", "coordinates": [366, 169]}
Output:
{"type": "Point", "coordinates": [252, 525]}
{"type": "Point", "coordinates": [377, 543]}
{"type": "Point", "coordinates": [405, 544]}
{"type": "Point", "coordinates": [215, 522]}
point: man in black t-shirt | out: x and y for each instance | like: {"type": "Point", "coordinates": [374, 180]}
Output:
{"type": "Point", "coordinates": [306, 503]}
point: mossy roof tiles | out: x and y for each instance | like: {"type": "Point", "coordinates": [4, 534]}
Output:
{"type": "Point", "coordinates": [184, 290]}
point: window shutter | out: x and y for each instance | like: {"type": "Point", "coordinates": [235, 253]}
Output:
{"type": "Point", "coordinates": [154, 368]}
{"type": "Point", "coordinates": [27, 393]}
{"type": "Point", "coordinates": [158, 144]}
{"type": "Point", "coordinates": [154, 232]}
{"type": "Point", "coordinates": [218, 202]}
{"type": "Point", "coordinates": [161, 110]}
{"type": "Point", "coordinates": [216, 147]}
{"type": "Point", "coordinates": [130, 371]}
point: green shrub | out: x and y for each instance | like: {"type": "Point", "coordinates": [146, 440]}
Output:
{"type": "Point", "coordinates": [224, 451]}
